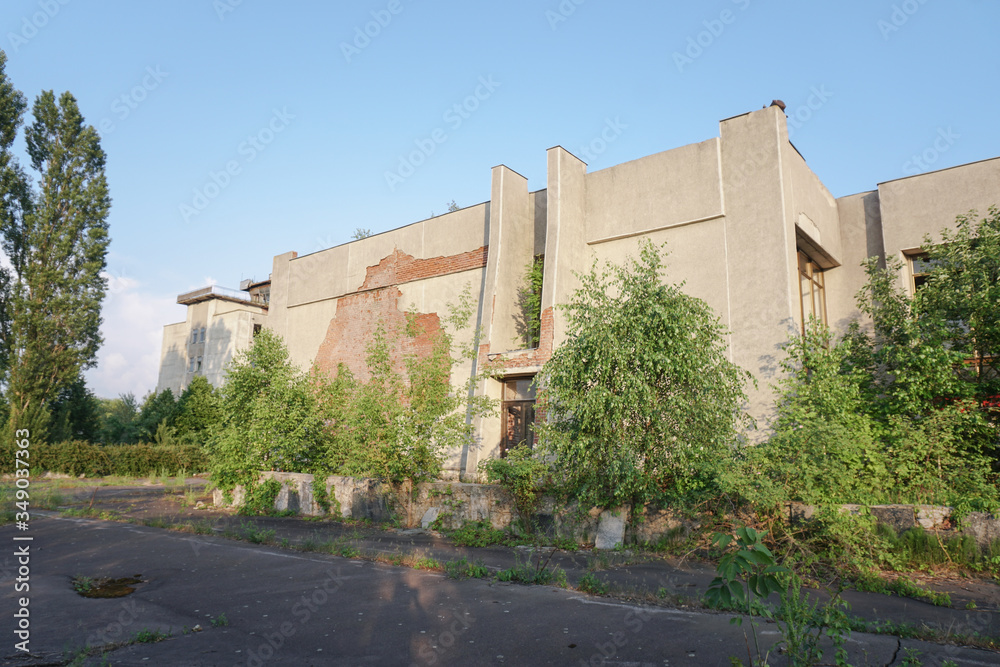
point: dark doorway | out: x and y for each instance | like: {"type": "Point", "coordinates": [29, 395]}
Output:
{"type": "Point", "coordinates": [518, 413]}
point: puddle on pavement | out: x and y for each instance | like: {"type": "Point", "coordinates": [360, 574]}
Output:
{"type": "Point", "coordinates": [105, 588]}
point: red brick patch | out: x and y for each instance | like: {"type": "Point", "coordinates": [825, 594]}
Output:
{"type": "Point", "coordinates": [535, 357]}
{"type": "Point", "coordinates": [377, 300]}
{"type": "Point", "coordinates": [399, 268]}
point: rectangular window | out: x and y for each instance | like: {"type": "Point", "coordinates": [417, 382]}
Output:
{"type": "Point", "coordinates": [201, 336]}
{"type": "Point", "coordinates": [197, 367]}
{"type": "Point", "coordinates": [920, 270]}
{"type": "Point", "coordinates": [194, 336]}
{"type": "Point", "coordinates": [812, 291]}
{"type": "Point", "coordinates": [190, 364]}
{"type": "Point", "coordinates": [518, 413]}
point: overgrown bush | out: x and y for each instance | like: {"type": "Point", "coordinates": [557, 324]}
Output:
{"type": "Point", "coordinates": [834, 442]}
{"type": "Point", "coordinates": [521, 473]}
{"type": "Point", "coordinates": [398, 425]}
{"type": "Point", "coordinates": [394, 426]}
{"type": "Point", "coordinates": [478, 534]}
{"type": "Point", "coordinates": [259, 498]}
{"type": "Point", "coordinates": [824, 448]}
{"type": "Point", "coordinates": [74, 457]}
{"type": "Point", "coordinates": [643, 402]}
{"type": "Point", "coordinates": [270, 418]}
{"type": "Point", "coordinates": [900, 412]}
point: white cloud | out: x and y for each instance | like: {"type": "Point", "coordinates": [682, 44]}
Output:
{"type": "Point", "coordinates": [129, 360]}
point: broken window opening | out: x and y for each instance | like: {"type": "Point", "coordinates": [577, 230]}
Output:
{"type": "Point", "coordinates": [518, 413]}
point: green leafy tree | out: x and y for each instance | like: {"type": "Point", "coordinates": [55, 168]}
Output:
{"type": "Point", "coordinates": [644, 404]}
{"type": "Point", "coordinates": [56, 239]}
{"type": "Point", "coordinates": [15, 199]}
{"type": "Point", "coordinates": [270, 417]}
{"type": "Point", "coordinates": [908, 362]}
{"type": "Point", "coordinates": [76, 414]}
{"type": "Point", "coordinates": [157, 409]}
{"type": "Point", "coordinates": [400, 426]}
{"type": "Point", "coordinates": [120, 420]}
{"type": "Point", "coordinates": [962, 295]}
{"type": "Point", "coordinates": [336, 397]}
{"type": "Point", "coordinates": [927, 406]}
{"type": "Point", "coordinates": [198, 411]}
{"type": "Point", "coordinates": [889, 414]}
{"type": "Point", "coordinates": [825, 447]}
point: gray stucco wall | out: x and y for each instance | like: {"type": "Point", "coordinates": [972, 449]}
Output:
{"type": "Point", "coordinates": [733, 211]}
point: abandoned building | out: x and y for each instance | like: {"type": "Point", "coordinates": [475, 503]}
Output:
{"type": "Point", "coordinates": [749, 227]}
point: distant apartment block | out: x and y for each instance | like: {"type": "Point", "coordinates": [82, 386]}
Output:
{"type": "Point", "coordinates": [750, 229]}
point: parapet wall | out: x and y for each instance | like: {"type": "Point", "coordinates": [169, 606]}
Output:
{"type": "Point", "coordinates": [449, 505]}
{"type": "Point", "coordinates": [434, 505]}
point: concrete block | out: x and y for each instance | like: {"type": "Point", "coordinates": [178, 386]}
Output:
{"type": "Point", "coordinates": [611, 529]}
{"type": "Point", "coordinates": [984, 527]}
{"type": "Point", "coordinates": [653, 525]}
{"type": "Point", "coordinates": [899, 517]}
{"type": "Point", "coordinates": [429, 517]}
{"type": "Point", "coordinates": [934, 517]}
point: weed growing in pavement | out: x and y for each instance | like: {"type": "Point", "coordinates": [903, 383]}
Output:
{"type": "Point", "coordinates": [524, 572]}
{"type": "Point", "coordinates": [201, 527]}
{"type": "Point", "coordinates": [590, 584]}
{"type": "Point", "coordinates": [462, 569]}
{"type": "Point", "coordinates": [347, 551]}
{"type": "Point", "coordinates": [89, 513]}
{"type": "Point", "coordinates": [219, 621]}
{"type": "Point", "coordinates": [83, 584]}
{"type": "Point", "coordinates": [746, 577]}
{"type": "Point", "coordinates": [147, 636]}
{"type": "Point", "coordinates": [79, 657]}
{"type": "Point", "coordinates": [251, 533]}
{"type": "Point", "coordinates": [426, 563]}
{"type": "Point", "coordinates": [902, 587]}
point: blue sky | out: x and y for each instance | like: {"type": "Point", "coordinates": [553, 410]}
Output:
{"type": "Point", "coordinates": [239, 130]}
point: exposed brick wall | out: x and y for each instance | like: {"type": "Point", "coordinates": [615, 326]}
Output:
{"type": "Point", "coordinates": [399, 268]}
{"type": "Point", "coordinates": [351, 330]}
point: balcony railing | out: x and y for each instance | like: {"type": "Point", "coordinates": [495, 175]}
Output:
{"type": "Point", "coordinates": [211, 291]}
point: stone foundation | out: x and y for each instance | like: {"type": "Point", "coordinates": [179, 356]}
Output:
{"type": "Point", "coordinates": [449, 505]}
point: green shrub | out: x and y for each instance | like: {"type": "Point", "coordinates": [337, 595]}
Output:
{"type": "Point", "coordinates": [521, 474]}
{"type": "Point", "coordinates": [259, 498]}
{"type": "Point", "coordinates": [321, 495]}
{"type": "Point", "coordinates": [462, 569]}
{"type": "Point", "coordinates": [77, 458]}
{"type": "Point", "coordinates": [478, 534]}
{"type": "Point", "coordinates": [270, 419]}
{"type": "Point", "coordinates": [589, 583]}
{"type": "Point", "coordinates": [643, 402]}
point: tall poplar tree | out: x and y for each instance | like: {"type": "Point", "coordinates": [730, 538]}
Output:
{"type": "Point", "coordinates": [56, 238]}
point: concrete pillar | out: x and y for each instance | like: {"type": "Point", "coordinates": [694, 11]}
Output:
{"type": "Point", "coordinates": [566, 234]}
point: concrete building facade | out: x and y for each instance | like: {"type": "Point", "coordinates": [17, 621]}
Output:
{"type": "Point", "coordinates": [749, 227]}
